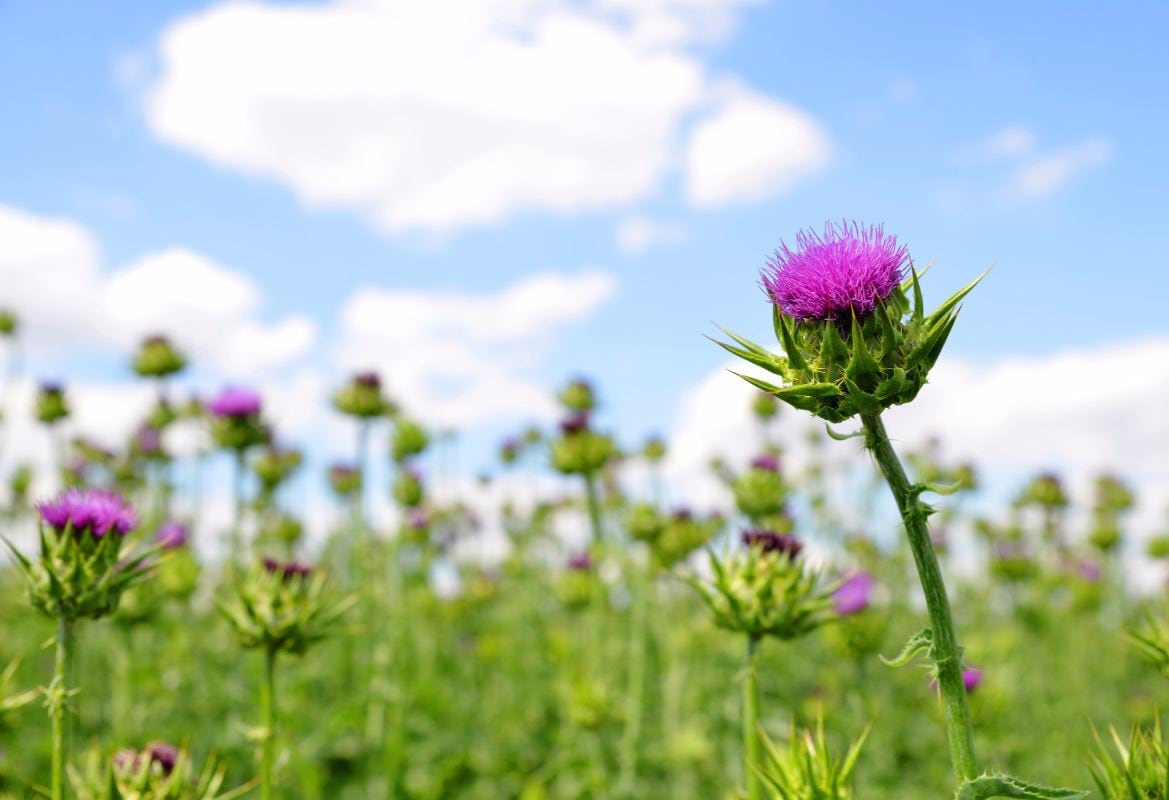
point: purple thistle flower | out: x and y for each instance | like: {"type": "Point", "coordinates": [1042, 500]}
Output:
{"type": "Point", "coordinates": [682, 514]}
{"type": "Point", "coordinates": [286, 570]}
{"type": "Point", "coordinates": [148, 441]}
{"type": "Point", "coordinates": [235, 403]}
{"type": "Point", "coordinates": [581, 562]}
{"type": "Point", "coordinates": [368, 379]}
{"type": "Point", "coordinates": [772, 542]}
{"type": "Point", "coordinates": [163, 754]}
{"type": "Point", "coordinates": [576, 423]}
{"type": "Point", "coordinates": [1089, 571]}
{"type": "Point", "coordinates": [854, 594]}
{"type": "Point", "coordinates": [971, 679]}
{"type": "Point", "coordinates": [418, 519]}
{"type": "Point", "coordinates": [848, 269]}
{"type": "Point", "coordinates": [766, 462]}
{"type": "Point", "coordinates": [89, 511]}
{"type": "Point", "coordinates": [171, 535]}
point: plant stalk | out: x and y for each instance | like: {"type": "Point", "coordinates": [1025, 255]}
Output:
{"type": "Point", "coordinates": [751, 743]}
{"type": "Point", "coordinates": [59, 708]}
{"type": "Point", "coordinates": [268, 714]}
{"type": "Point", "coordinates": [945, 652]}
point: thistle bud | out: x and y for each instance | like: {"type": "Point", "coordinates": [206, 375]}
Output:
{"type": "Point", "coordinates": [654, 450]}
{"type": "Point", "coordinates": [580, 450]}
{"type": "Point", "coordinates": [159, 771]}
{"type": "Point", "coordinates": [362, 397]}
{"type": "Point", "coordinates": [409, 439]}
{"type": "Point", "coordinates": [408, 490]}
{"type": "Point", "coordinates": [283, 607]}
{"type": "Point", "coordinates": [760, 491]}
{"type": "Point", "coordinates": [9, 323]}
{"type": "Point", "coordinates": [682, 534]}
{"type": "Point", "coordinates": [578, 395]}
{"type": "Point", "coordinates": [766, 590]}
{"type": "Point", "coordinates": [51, 405]}
{"type": "Point", "coordinates": [853, 341]}
{"type": "Point", "coordinates": [158, 358]}
{"type": "Point", "coordinates": [344, 480]}
{"type": "Point", "coordinates": [644, 523]}
{"type": "Point", "coordinates": [764, 406]}
{"type": "Point", "coordinates": [275, 466]}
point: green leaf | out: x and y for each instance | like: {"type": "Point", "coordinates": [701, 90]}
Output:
{"type": "Point", "coordinates": [764, 361]}
{"type": "Point", "coordinates": [787, 339]}
{"type": "Point", "coordinates": [918, 643]}
{"type": "Point", "coordinates": [842, 437]}
{"type": "Point", "coordinates": [988, 786]}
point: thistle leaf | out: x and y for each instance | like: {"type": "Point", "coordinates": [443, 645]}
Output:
{"type": "Point", "coordinates": [918, 643]}
{"type": "Point", "coordinates": [988, 786]}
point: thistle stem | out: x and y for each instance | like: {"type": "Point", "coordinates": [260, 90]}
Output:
{"type": "Point", "coordinates": [594, 504]}
{"type": "Point", "coordinates": [268, 714]}
{"type": "Point", "coordinates": [945, 651]}
{"type": "Point", "coordinates": [634, 699]}
{"type": "Point", "coordinates": [237, 532]}
{"type": "Point", "coordinates": [751, 721]}
{"type": "Point", "coordinates": [59, 708]}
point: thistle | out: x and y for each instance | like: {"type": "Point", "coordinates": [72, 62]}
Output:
{"type": "Point", "coordinates": [361, 397]}
{"type": "Point", "coordinates": [159, 771]}
{"type": "Point", "coordinates": [806, 769]}
{"type": "Point", "coordinates": [236, 426]}
{"type": "Point", "coordinates": [763, 590]}
{"type": "Point", "coordinates": [51, 405]}
{"type": "Point", "coordinates": [81, 573]}
{"type": "Point", "coordinates": [158, 358]}
{"type": "Point", "coordinates": [409, 439]}
{"type": "Point", "coordinates": [280, 607]}
{"type": "Point", "coordinates": [579, 450]}
{"type": "Point", "coordinates": [1137, 770]}
{"type": "Point", "coordinates": [856, 340]}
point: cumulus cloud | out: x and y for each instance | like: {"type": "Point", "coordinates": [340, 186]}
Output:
{"type": "Point", "coordinates": [751, 147]}
{"type": "Point", "coordinates": [1013, 140]}
{"type": "Point", "coordinates": [55, 281]}
{"type": "Point", "coordinates": [451, 113]}
{"type": "Point", "coordinates": [1045, 175]}
{"type": "Point", "coordinates": [457, 359]}
{"type": "Point", "coordinates": [638, 234]}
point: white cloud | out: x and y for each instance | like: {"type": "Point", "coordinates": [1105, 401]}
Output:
{"type": "Point", "coordinates": [456, 359]}
{"type": "Point", "coordinates": [445, 114]}
{"type": "Point", "coordinates": [1013, 140]}
{"type": "Point", "coordinates": [54, 280]}
{"type": "Point", "coordinates": [1044, 175]}
{"type": "Point", "coordinates": [637, 234]}
{"type": "Point", "coordinates": [751, 147]}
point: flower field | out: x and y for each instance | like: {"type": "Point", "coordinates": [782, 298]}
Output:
{"type": "Point", "coordinates": [768, 649]}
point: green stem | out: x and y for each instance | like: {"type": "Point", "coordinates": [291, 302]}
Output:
{"type": "Point", "coordinates": [632, 734]}
{"type": "Point", "coordinates": [946, 654]}
{"type": "Point", "coordinates": [751, 743]}
{"type": "Point", "coordinates": [594, 504]}
{"type": "Point", "coordinates": [59, 708]}
{"type": "Point", "coordinates": [237, 532]}
{"type": "Point", "coordinates": [268, 714]}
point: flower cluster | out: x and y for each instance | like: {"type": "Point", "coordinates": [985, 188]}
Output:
{"type": "Point", "coordinates": [159, 771]}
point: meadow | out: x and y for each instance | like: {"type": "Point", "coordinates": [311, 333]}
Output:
{"type": "Point", "coordinates": [680, 654]}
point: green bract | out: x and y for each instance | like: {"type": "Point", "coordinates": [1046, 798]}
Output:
{"type": "Point", "coordinates": [136, 776]}
{"type": "Point", "coordinates": [80, 576]}
{"type": "Point", "coordinates": [283, 613]}
{"type": "Point", "coordinates": [806, 769]}
{"type": "Point", "coordinates": [765, 594]}
{"type": "Point", "coordinates": [583, 452]}
{"type": "Point", "coordinates": [838, 371]}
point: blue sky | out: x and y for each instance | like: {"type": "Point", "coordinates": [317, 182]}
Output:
{"type": "Point", "coordinates": [1025, 136]}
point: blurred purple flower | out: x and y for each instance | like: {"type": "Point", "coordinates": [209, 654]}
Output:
{"type": "Point", "coordinates": [854, 594]}
{"type": "Point", "coordinates": [580, 562]}
{"type": "Point", "coordinates": [171, 535]}
{"type": "Point", "coordinates": [971, 679]}
{"type": "Point", "coordinates": [235, 403]}
{"type": "Point", "coordinates": [575, 423]}
{"type": "Point", "coordinates": [847, 269]}
{"type": "Point", "coordinates": [1089, 571]}
{"type": "Point", "coordinates": [766, 462]}
{"type": "Point", "coordinates": [418, 519]}
{"type": "Point", "coordinates": [288, 569]}
{"type": "Point", "coordinates": [148, 441]}
{"type": "Point", "coordinates": [90, 511]}
{"type": "Point", "coordinates": [772, 542]}
{"type": "Point", "coordinates": [368, 379]}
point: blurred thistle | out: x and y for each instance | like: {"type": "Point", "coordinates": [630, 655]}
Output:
{"type": "Point", "coordinates": [280, 607]}
{"type": "Point", "coordinates": [806, 769]}
{"type": "Point", "coordinates": [51, 405]}
{"type": "Point", "coordinates": [1137, 770]}
{"type": "Point", "coordinates": [408, 489]}
{"type": "Point", "coordinates": [344, 480]}
{"type": "Point", "coordinates": [578, 395]}
{"type": "Point", "coordinates": [760, 492]}
{"type": "Point", "coordinates": [764, 406]}
{"type": "Point", "coordinates": [9, 323]}
{"type": "Point", "coordinates": [408, 439]}
{"type": "Point", "coordinates": [235, 419]}
{"type": "Point", "coordinates": [579, 450]}
{"type": "Point", "coordinates": [1113, 500]}
{"type": "Point", "coordinates": [362, 397]}
{"type": "Point", "coordinates": [654, 450]}
{"type": "Point", "coordinates": [159, 771]}
{"type": "Point", "coordinates": [273, 467]}
{"type": "Point", "coordinates": [854, 594]}
{"type": "Point", "coordinates": [158, 358]}
{"type": "Point", "coordinates": [81, 573]}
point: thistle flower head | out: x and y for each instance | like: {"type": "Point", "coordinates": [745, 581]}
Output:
{"type": "Point", "coordinates": [368, 379]}
{"type": "Point", "coordinates": [287, 569]}
{"type": "Point", "coordinates": [846, 270]}
{"type": "Point", "coordinates": [88, 511]}
{"type": "Point", "coordinates": [768, 541]}
{"type": "Point", "coordinates": [580, 562]}
{"type": "Point", "coordinates": [971, 678]}
{"type": "Point", "coordinates": [236, 403]}
{"type": "Point", "coordinates": [171, 535]}
{"type": "Point", "coordinates": [575, 423]}
{"type": "Point", "coordinates": [854, 594]}
{"type": "Point", "coordinates": [766, 462]}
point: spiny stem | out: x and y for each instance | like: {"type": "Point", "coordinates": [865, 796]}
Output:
{"type": "Point", "coordinates": [945, 651]}
{"type": "Point", "coordinates": [59, 706]}
{"type": "Point", "coordinates": [751, 741]}
{"type": "Point", "coordinates": [268, 714]}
